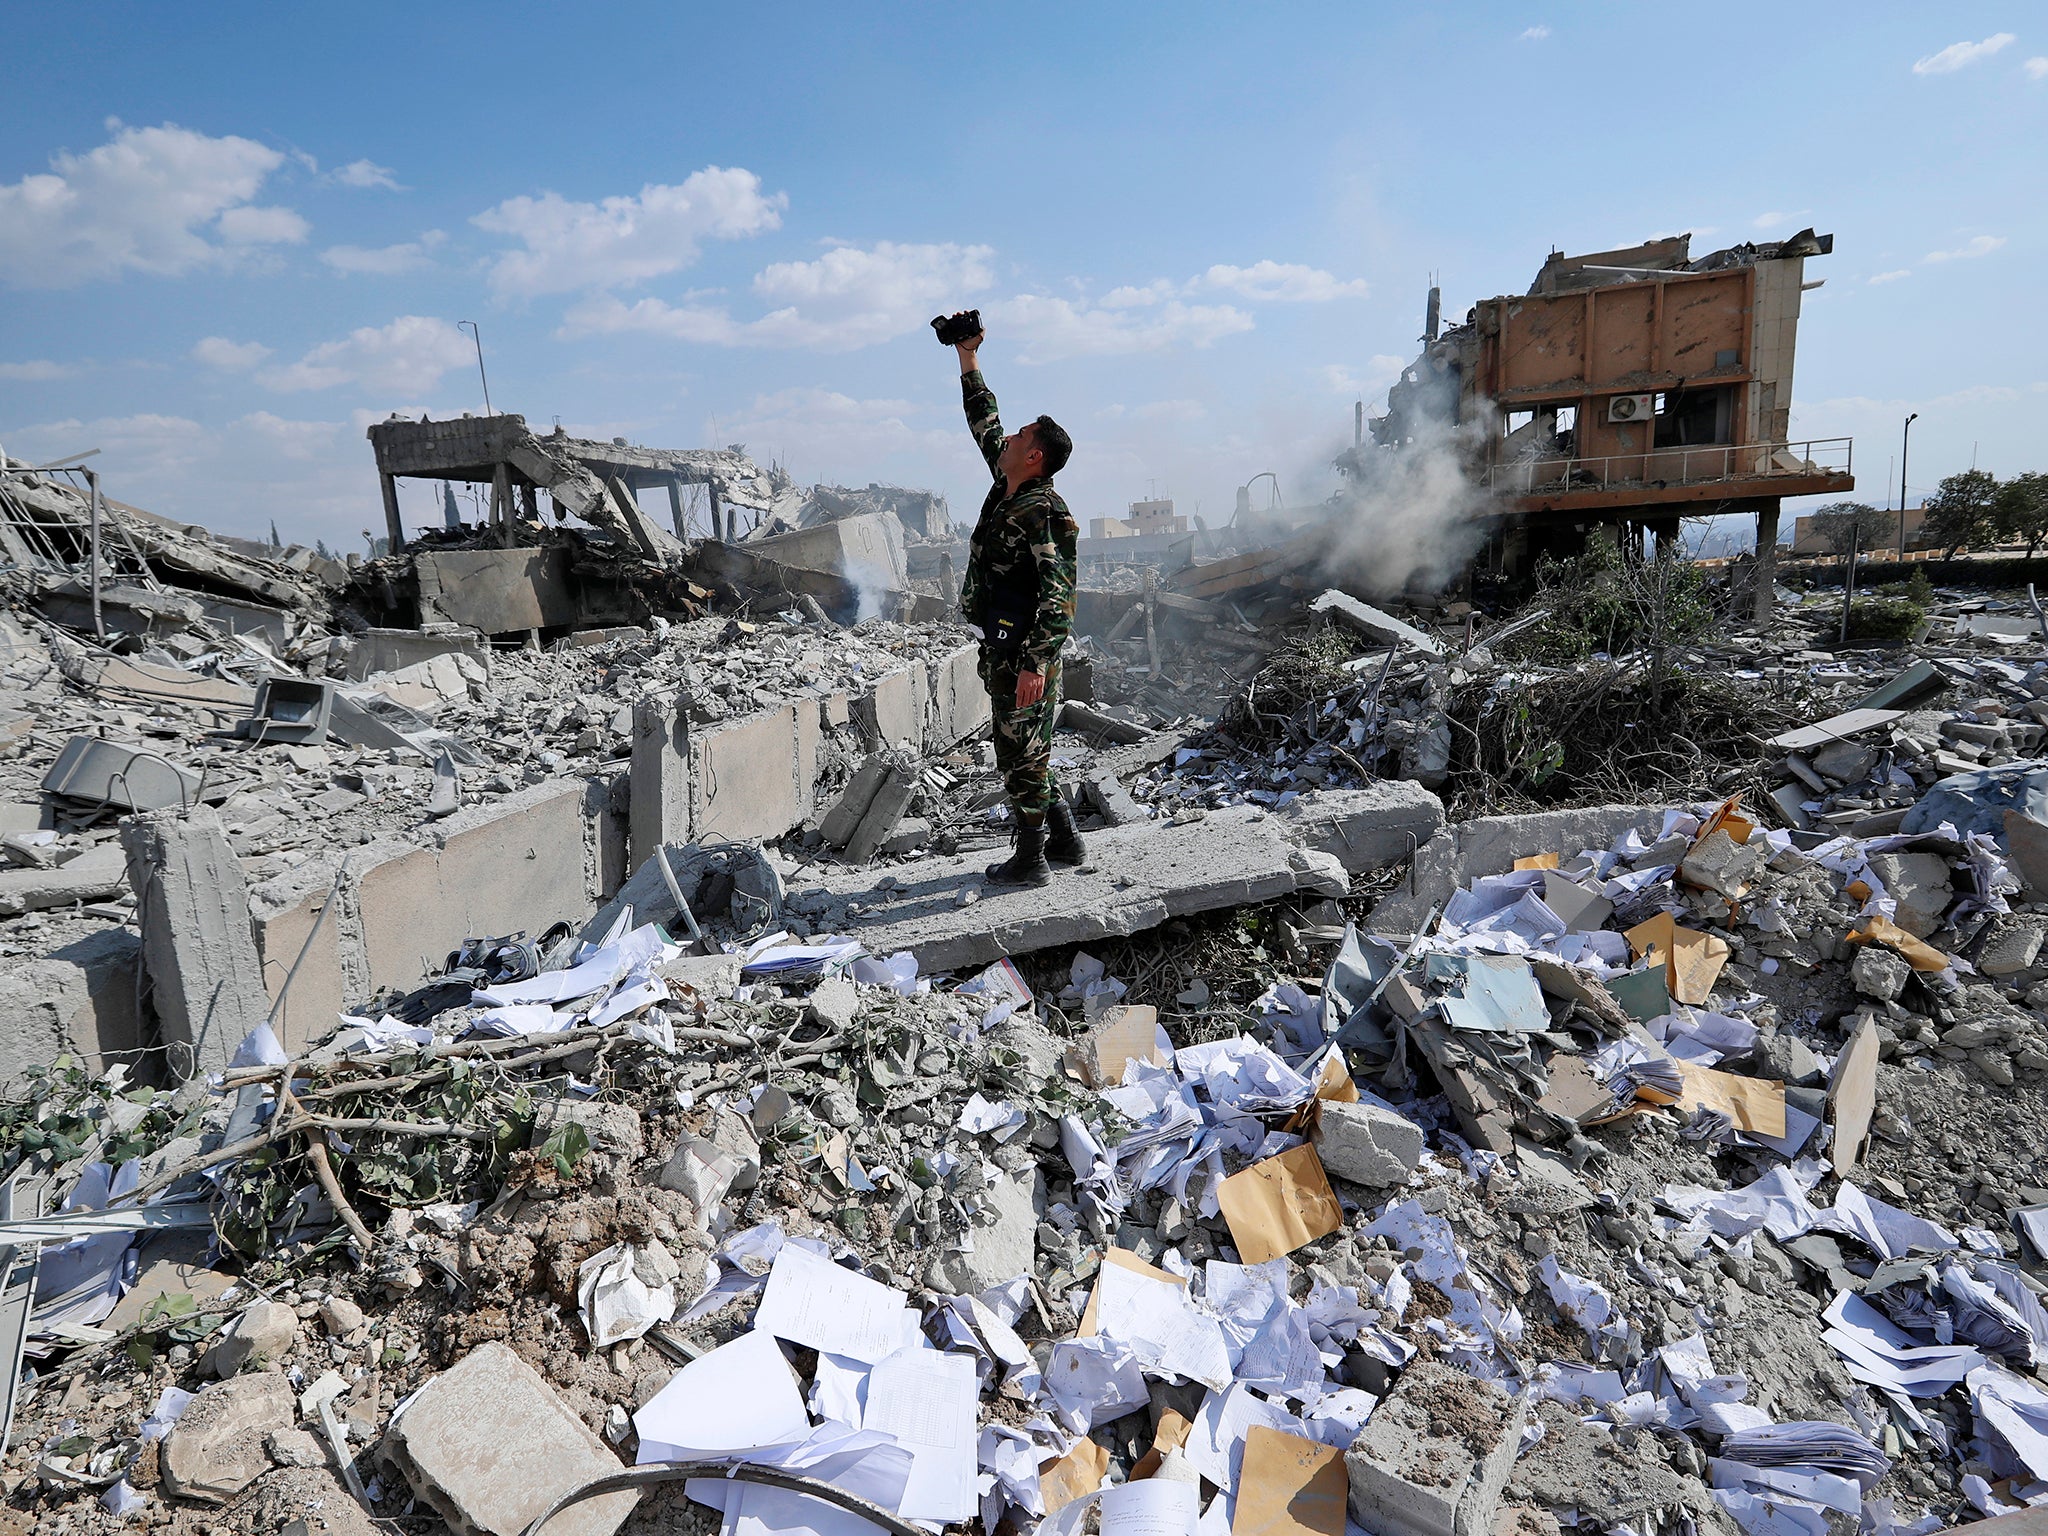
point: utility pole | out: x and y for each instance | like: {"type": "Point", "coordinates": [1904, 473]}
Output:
{"type": "Point", "coordinates": [1905, 440]}
{"type": "Point", "coordinates": [478, 336]}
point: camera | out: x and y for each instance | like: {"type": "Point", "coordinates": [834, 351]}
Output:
{"type": "Point", "coordinates": [954, 329]}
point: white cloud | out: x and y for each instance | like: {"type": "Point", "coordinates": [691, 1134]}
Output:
{"type": "Point", "coordinates": [826, 435]}
{"type": "Point", "coordinates": [262, 226]}
{"type": "Point", "coordinates": [1890, 277]}
{"type": "Point", "coordinates": [1961, 55]}
{"type": "Point", "coordinates": [1776, 219]}
{"type": "Point", "coordinates": [1051, 329]}
{"type": "Point", "coordinates": [848, 298]}
{"type": "Point", "coordinates": [308, 475]}
{"type": "Point", "coordinates": [367, 173]}
{"type": "Point", "coordinates": [1535, 34]}
{"type": "Point", "coordinates": [406, 357]}
{"type": "Point", "coordinates": [622, 240]}
{"type": "Point", "coordinates": [229, 356]}
{"type": "Point", "coordinates": [384, 260]}
{"type": "Point", "coordinates": [2037, 68]}
{"type": "Point", "coordinates": [162, 200]}
{"type": "Point", "coordinates": [36, 371]}
{"type": "Point", "coordinates": [1977, 245]}
{"type": "Point", "coordinates": [1140, 297]}
{"type": "Point", "coordinates": [1280, 282]}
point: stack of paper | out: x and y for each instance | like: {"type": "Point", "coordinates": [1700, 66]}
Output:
{"type": "Point", "coordinates": [1809, 1443]}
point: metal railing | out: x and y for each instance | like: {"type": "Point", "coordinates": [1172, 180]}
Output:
{"type": "Point", "coordinates": [1697, 465]}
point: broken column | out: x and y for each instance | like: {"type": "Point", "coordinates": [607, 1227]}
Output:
{"type": "Point", "coordinates": [892, 798]}
{"type": "Point", "coordinates": [196, 941]}
{"type": "Point", "coordinates": [489, 1445]}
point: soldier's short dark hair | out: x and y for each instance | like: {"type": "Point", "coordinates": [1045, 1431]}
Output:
{"type": "Point", "coordinates": [1054, 443]}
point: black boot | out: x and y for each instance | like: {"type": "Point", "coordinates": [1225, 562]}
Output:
{"type": "Point", "coordinates": [1026, 866]}
{"type": "Point", "coordinates": [1063, 843]}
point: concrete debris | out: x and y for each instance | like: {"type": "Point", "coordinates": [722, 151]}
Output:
{"type": "Point", "coordinates": [216, 1448]}
{"type": "Point", "coordinates": [489, 1445]}
{"type": "Point", "coordinates": [1368, 1145]}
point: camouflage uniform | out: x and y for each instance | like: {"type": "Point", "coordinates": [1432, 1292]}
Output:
{"type": "Point", "coordinates": [1019, 592]}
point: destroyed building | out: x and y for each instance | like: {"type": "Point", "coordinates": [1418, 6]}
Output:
{"type": "Point", "coordinates": [1627, 389]}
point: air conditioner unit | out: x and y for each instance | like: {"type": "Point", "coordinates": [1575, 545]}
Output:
{"type": "Point", "coordinates": [1631, 407]}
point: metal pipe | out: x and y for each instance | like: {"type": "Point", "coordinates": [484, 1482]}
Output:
{"type": "Point", "coordinates": [99, 623]}
{"type": "Point", "coordinates": [656, 1472]}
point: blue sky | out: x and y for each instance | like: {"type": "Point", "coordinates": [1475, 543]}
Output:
{"type": "Point", "coordinates": [232, 236]}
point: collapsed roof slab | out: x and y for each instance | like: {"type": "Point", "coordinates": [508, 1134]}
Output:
{"type": "Point", "coordinates": [1137, 878]}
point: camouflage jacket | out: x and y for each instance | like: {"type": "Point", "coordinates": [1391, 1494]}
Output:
{"type": "Point", "coordinates": [1021, 561]}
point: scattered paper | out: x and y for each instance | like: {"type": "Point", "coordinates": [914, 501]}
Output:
{"type": "Point", "coordinates": [1074, 1476]}
{"type": "Point", "coordinates": [625, 1290]}
{"type": "Point", "coordinates": [1165, 1330]}
{"type": "Point", "coordinates": [1123, 1035]}
{"type": "Point", "coordinates": [812, 1301]}
{"type": "Point", "coordinates": [1275, 1206]}
{"type": "Point", "coordinates": [927, 1399]}
{"type": "Point", "coordinates": [739, 1398]}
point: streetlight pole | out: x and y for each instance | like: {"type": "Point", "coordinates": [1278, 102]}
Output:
{"type": "Point", "coordinates": [478, 337]}
{"type": "Point", "coordinates": [1905, 437]}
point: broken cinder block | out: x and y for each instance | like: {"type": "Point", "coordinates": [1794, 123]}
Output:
{"type": "Point", "coordinates": [1433, 1458]}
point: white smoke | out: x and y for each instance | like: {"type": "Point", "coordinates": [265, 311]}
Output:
{"type": "Point", "coordinates": [1412, 518]}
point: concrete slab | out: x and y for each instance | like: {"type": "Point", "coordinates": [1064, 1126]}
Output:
{"type": "Point", "coordinates": [1371, 622]}
{"type": "Point", "coordinates": [1367, 829]}
{"type": "Point", "coordinates": [489, 1444]}
{"type": "Point", "coordinates": [1136, 878]}
{"type": "Point", "coordinates": [80, 997]}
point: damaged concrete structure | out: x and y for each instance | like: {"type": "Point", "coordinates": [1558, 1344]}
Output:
{"type": "Point", "coordinates": [1626, 389]}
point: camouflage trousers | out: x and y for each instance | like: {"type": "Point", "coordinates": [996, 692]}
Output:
{"type": "Point", "coordinates": [1023, 737]}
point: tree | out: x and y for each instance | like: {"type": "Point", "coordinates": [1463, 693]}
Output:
{"type": "Point", "coordinates": [1870, 526]}
{"type": "Point", "coordinates": [2019, 510]}
{"type": "Point", "coordinates": [1959, 511]}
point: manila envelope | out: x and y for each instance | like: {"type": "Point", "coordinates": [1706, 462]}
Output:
{"type": "Point", "coordinates": [1692, 960]}
{"type": "Point", "coordinates": [1538, 861]}
{"type": "Point", "coordinates": [1289, 1486]}
{"type": "Point", "coordinates": [1124, 1035]}
{"type": "Point", "coordinates": [1074, 1476]}
{"type": "Point", "coordinates": [1917, 953]}
{"type": "Point", "coordinates": [1275, 1206]}
{"type": "Point", "coordinates": [1752, 1103]}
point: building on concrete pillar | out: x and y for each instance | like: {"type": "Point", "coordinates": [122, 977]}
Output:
{"type": "Point", "coordinates": [1626, 387]}
{"type": "Point", "coordinates": [598, 482]}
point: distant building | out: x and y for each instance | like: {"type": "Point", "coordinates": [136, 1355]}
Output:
{"type": "Point", "coordinates": [1147, 517]}
{"type": "Point", "coordinates": [1807, 539]}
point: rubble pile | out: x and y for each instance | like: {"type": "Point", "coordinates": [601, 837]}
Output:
{"type": "Point", "coordinates": [1647, 1181]}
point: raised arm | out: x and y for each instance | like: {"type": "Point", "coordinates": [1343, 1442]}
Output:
{"type": "Point", "coordinates": [980, 402]}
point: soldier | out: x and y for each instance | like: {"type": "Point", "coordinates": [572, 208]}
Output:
{"type": "Point", "coordinates": [1019, 593]}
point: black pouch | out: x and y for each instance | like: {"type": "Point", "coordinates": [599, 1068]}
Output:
{"type": "Point", "coordinates": [1006, 621]}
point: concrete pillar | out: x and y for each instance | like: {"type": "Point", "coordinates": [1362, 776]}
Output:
{"type": "Point", "coordinates": [1766, 559]}
{"type": "Point", "coordinates": [659, 784]}
{"type": "Point", "coordinates": [529, 504]}
{"type": "Point", "coordinates": [392, 525]}
{"type": "Point", "coordinates": [675, 510]}
{"type": "Point", "coordinates": [197, 943]}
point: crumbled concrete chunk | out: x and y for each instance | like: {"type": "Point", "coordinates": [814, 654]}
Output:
{"type": "Point", "coordinates": [217, 1448]}
{"type": "Point", "coordinates": [1368, 1145]}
